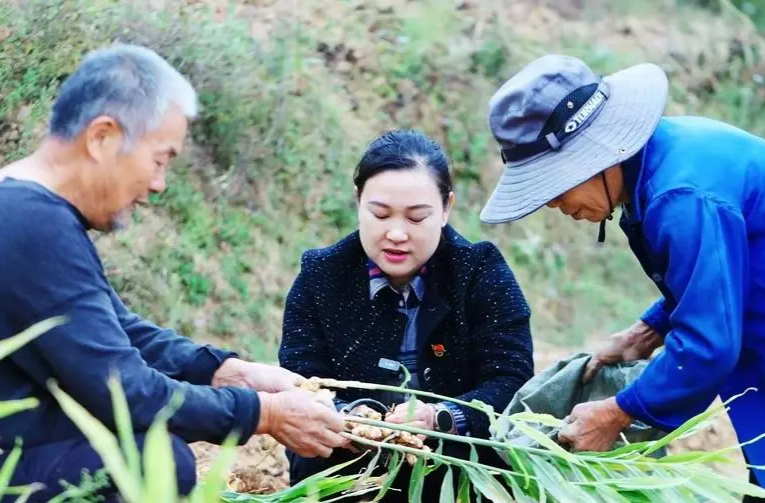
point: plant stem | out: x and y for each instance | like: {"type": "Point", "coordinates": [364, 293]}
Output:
{"type": "Point", "coordinates": [430, 433]}
{"type": "Point", "coordinates": [441, 457]}
{"type": "Point", "coordinates": [502, 446]}
{"type": "Point", "coordinates": [333, 383]}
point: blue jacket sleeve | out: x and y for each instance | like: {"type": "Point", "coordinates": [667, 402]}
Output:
{"type": "Point", "coordinates": [168, 352]}
{"type": "Point", "coordinates": [657, 317]}
{"type": "Point", "coordinates": [61, 276]}
{"type": "Point", "coordinates": [703, 243]}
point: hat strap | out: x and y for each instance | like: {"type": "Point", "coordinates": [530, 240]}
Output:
{"type": "Point", "coordinates": [569, 122]}
{"type": "Point", "coordinates": [602, 230]}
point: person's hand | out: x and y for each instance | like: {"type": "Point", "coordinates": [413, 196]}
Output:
{"type": "Point", "coordinates": [258, 376]}
{"type": "Point", "coordinates": [636, 343]}
{"type": "Point", "coordinates": [594, 426]}
{"type": "Point", "coordinates": [303, 425]}
{"type": "Point", "coordinates": [424, 415]}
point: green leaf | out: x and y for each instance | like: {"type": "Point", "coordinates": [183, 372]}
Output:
{"type": "Point", "coordinates": [545, 441]}
{"type": "Point", "coordinates": [543, 419]}
{"type": "Point", "coordinates": [695, 458]}
{"type": "Point", "coordinates": [551, 480]}
{"type": "Point", "coordinates": [437, 462]}
{"type": "Point", "coordinates": [605, 493]}
{"type": "Point", "coordinates": [416, 481]}
{"type": "Point", "coordinates": [125, 426]}
{"type": "Point", "coordinates": [692, 423]}
{"type": "Point", "coordinates": [473, 454]}
{"type": "Point", "coordinates": [463, 491]}
{"type": "Point", "coordinates": [28, 492]}
{"type": "Point", "coordinates": [12, 344]}
{"type": "Point", "coordinates": [740, 487]}
{"type": "Point", "coordinates": [411, 406]}
{"type": "Point", "coordinates": [639, 483]}
{"type": "Point", "coordinates": [326, 484]}
{"type": "Point", "coordinates": [160, 482]}
{"type": "Point", "coordinates": [10, 407]}
{"type": "Point", "coordinates": [519, 464]}
{"type": "Point", "coordinates": [9, 466]}
{"type": "Point", "coordinates": [637, 449]}
{"type": "Point", "coordinates": [520, 495]}
{"type": "Point", "coordinates": [711, 491]}
{"type": "Point", "coordinates": [394, 465]}
{"type": "Point", "coordinates": [103, 442]}
{"type": "Point", "coordinates": [447, 487]}
{"type": "Point", "coordinates": [487, 484]}
{"type": "Point", "coordinates": [371, 466]}
{"type": "Point", "coordinates": [214, 482]}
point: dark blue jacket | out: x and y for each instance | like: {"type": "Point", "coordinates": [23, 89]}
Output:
{"type": "Point", "coordinates": [49, 267]}
{"type": "Point", "coordinates": [696, 222]}
{"type": "Point", "coordinates": [472, 306]}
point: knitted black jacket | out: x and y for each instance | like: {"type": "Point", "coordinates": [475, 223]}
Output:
{"type": "Point", "coordinates": [473, 308]}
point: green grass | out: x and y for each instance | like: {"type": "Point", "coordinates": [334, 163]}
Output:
{"type": "Point", "coordinates": [284, 120]}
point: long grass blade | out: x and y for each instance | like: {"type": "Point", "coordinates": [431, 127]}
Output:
{"type": "Point", "coordinates": [641, 483]}
{"type": "Point", "coordinates": [103, 442]}
{"type": "Point", "coordinates": [160, 482]}
{"type": "Point", "coordinates": [740, 487]}
{"type": "Point", "coordinates": [488, 485]}
{"type": "Point", "coordinates": [125, 426]}
{"type": "Point", "coordinates": [711, 492]}
{"type": "Point", "coordinates": [519, 464]}
{"type": "Point", "coordinates": [11, 407]}
{"type": "Point", "coordinates": [9, 466]}
{"type": "Point", "coordinates": [694, 458]}
{"type": "Point", "coordinates": [394, 466]}
{"type": "Point", "coordinates": [692, 423]}
{"type": "Point", "coordinates": [545, 441]}
{"type": "Point", "coordinates": [447, 487]}
{"type": "Point", "coordinates": [463, 490]}
{"type": "Point", "coordinates": [28, 492]}
{"type": "Point", "coordinates": [18, 341]}
{"type": "Point", "coordinates": [416, 481]}
{"type": "Point", "coordinates": [543, 419]}
{"type": "Point", "coordinates": [214, 481]}
{"type": "Point", "coordinates": [371, 466]}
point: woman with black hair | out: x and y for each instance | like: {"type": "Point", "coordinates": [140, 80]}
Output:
{"type": "Point", "coordinates": [407, 288]}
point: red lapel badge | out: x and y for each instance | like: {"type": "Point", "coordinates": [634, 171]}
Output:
{"type": "Point", "coordinates": [438, 349]}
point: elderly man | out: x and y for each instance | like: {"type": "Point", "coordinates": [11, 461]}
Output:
{"type": "Point", "coordinates": [692, 193]}
{"type": "Point", "coordinates": [116, 126]}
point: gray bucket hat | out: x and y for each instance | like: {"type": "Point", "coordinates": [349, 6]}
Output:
{"type": "Point", "coordinates": [558, 125]}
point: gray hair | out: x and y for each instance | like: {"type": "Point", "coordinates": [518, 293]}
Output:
{"type": "Point", "coordinates": [131, 84]}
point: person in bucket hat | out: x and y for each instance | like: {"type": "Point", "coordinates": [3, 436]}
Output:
{"type": "Point", "coordinates": [692, 195]}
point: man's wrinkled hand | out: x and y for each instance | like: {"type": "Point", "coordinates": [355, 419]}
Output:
{"type": "Point", "coordinates": [635, 343]}
{"type": "Point", "coordinates": [594, 426]}
{"type": "Point", "coordinates": [258, 376]}
{"type": "Point", "coordinates": [303, 425]}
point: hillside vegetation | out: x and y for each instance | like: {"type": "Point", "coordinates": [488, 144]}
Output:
{"type": "Point", "coordinates": [291, 94]}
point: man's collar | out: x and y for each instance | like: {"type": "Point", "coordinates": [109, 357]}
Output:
{"type": "Point", "coordinates": [631, 170]}
{"type": "Point", "coordinates": [379, 280]}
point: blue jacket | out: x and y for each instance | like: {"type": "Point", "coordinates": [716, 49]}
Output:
{"type": "Point", "coordinates": [49, 267]}
{"type": "Point", "coordinates": [696, 222]}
